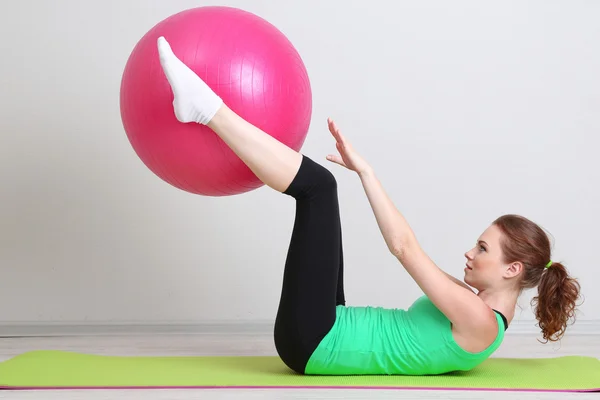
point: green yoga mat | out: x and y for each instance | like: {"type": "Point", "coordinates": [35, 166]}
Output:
{"type": "Point", "coordinates": [60, 370]}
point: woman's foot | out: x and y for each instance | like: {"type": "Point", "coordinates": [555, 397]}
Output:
{"type": "Point", "coordinates": [194, 100]}
{"type": "Point", "coordinates": [274, 163]}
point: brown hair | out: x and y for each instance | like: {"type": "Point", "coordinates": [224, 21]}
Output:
{"type": "Point", "coordinates": [524, 241]}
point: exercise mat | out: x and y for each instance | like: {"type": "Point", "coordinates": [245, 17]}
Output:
{"type": "Point", "coordinates": [67, 370]}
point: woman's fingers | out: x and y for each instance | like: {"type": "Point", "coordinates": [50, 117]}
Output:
{"type": "Point", "coordinates": [336, 159]}
{"type": "Point", "coordinates": [331, 127]}
{"type": "Point", "coordinates": [335, 131]}
{"type": "Point", "coordinates": [340, 144]}
{"type": "Point", "coordinates": [339, 137]}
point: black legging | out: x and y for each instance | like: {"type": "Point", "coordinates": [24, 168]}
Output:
{"type": "Point", "coordinates": [313, 276]}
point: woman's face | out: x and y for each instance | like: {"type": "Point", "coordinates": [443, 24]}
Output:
{"type": "Point", "coordinates": [484, 267]}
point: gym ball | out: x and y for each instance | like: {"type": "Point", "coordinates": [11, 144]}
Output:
{"type": "Point", "coordinates": [248, 62]}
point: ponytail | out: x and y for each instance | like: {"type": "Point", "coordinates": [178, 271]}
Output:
{"type": "Point", "coordinates": [555, 303]}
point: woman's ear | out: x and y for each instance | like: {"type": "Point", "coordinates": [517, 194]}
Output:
{"type": "Point", "coordinates": [514, 269]}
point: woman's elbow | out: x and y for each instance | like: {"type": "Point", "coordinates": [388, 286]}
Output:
{"type": "Point", "coordinates": [396, 251]}
{"type": "Point", "coordinates": [399, 248]}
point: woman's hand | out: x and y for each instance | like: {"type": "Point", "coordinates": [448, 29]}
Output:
{"type": "Point", "coordinates": [348, 157]}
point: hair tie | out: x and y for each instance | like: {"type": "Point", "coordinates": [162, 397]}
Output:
{"type": "Point", "coordinates": [549, 264]}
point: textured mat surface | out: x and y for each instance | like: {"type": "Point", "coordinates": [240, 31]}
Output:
{"type": "Point", "coordinates": [60, 370]}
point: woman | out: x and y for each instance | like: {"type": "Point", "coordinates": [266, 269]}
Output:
{"type": "Point", "coordinates": [450, 328]}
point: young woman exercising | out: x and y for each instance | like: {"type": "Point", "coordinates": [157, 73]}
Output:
{"type": "Point", "coordinates": [450, 328]}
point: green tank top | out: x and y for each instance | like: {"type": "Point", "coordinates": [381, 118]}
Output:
{"type": "Point", "coordinates": [380, 341]}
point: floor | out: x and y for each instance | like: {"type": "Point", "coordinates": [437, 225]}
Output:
{"type": "Point", "coordinates": [258, 344]}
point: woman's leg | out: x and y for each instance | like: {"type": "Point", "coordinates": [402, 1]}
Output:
{"type": "Point", "coordinates": [340, 298]}
{"type": "Point", "coordinates": [312, 281]}
{"type": "Point", "coordinates": [312, 278]}
{"type": "Point", "coordinates": [274, 163]}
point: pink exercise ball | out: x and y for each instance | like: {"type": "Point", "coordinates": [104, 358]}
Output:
{"type": "Point", "coordinates": [248, 62]}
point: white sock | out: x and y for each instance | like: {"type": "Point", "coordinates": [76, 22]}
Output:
{"type": "Point", "coordinates": [193, 99]}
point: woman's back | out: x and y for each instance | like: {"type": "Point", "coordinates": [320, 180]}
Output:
{"type": "Point", "coordinates": [375, 340]}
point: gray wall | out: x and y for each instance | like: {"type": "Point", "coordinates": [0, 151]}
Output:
{"type": "Point", "coordinates": [467, 110]}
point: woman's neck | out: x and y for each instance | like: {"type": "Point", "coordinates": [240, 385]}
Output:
{"type": "Point", "coordinates": [502, 301]}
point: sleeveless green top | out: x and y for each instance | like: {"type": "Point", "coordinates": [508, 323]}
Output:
{"type": "Point", "coordinates": [379, 341]}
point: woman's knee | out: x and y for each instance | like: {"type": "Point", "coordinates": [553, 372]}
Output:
{"type": "Point", "coordinates": [325, 178]}
{"type": "Point", "coordinates": [318, 175]}
{"type": "Point", "coordinates": [312, 177]}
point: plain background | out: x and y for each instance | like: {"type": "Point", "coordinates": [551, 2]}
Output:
{"type": "Point", "coordinates": [467, 110]}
